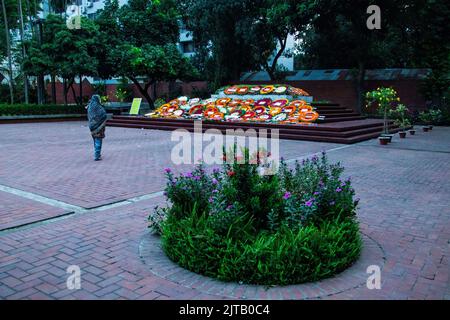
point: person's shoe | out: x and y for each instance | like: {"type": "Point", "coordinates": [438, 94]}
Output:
{"type": "Point", "coordinates": [98, 159]}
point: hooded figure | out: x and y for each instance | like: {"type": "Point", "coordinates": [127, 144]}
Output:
{"type": "Point", "coordinates": [97, 121]}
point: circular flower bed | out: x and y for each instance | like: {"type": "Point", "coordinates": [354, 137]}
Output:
{"type": "Point", "coordinates": [237, 224]}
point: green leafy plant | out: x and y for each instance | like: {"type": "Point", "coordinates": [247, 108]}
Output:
{"type": "Point", "coordinates": [237, 224]}
{"type": "Point", "coordinates": [400, 116]}
{"type": "Point", "coordinates": [34, 109]}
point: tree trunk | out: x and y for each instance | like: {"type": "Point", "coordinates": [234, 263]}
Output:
{"type": "Point", "coordinates": [53, 88]}
{"type": "Point", "coordinates": [81, 90]}
{"type": "Point", "coordinates": [144, 91]}
{"type": "Point", "coordinates": [360, 87]}
{"type": "Point", "coordinates": [8, 50]}
{"type": "Point", "coordinates": [65, 91]}
{"type": "Point", "coordinates": [272, 68]}
{"type": "Point", "coordinates": [24, 53]}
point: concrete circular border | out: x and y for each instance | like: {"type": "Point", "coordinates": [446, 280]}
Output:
{"type": "Point", "coordinates": [160, 265]}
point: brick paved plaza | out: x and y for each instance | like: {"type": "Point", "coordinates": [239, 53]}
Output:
{"type": "Point", "coordinates": [59, 208]}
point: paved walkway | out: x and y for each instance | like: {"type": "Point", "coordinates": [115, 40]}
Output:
{"type": "Point", "coordinates": [59, 208]}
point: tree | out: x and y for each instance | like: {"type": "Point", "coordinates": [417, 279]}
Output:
{"type": "Point", "coordinates": [65, 52]}
{"type": "Point", "coordinates": [139, 43]}
{"type": "Point", "coordinates": [9, 12]}
{"type": "Point", "coordinates": [220, 30]}
{"type": "Point", "coordinates": [269, 28]}
{"type": "Point", "coordinates": [339, 38]}
{"type": "Point", "coordinates": [152, 63]}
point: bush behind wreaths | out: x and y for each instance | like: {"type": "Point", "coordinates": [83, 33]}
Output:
{"type": "Point", "coordinates": [35, 109]}
{"type": "Point", "coordinates": [236, 224]}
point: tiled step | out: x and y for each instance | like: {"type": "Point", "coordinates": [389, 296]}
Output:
{"type": "Point", "coordinates": [339, 132]}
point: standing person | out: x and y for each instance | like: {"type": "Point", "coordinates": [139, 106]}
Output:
{"type": "Point", "coordinates": [97, 122]}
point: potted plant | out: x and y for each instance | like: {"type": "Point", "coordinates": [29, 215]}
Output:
{"type": "Point", "coordinates": [400, 116]}
{"type": "Point", "coordinates": [384, 140]}
{"type": "Point", "coordinates": [436, 117]}
{"type": "Point", "coordinates": [425, 118]}
{"type": "Point", "coordinates": [403, 124]}
{"type": "Point", "coordinates": [384, 97]}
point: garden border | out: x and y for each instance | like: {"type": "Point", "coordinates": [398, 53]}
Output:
{"type": "Point", "coordinates": [152, 255]}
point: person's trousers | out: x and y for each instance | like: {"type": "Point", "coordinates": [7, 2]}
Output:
{"type": "Point", "coordinates": [97, 148]}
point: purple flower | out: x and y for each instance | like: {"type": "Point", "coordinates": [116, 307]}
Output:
{"type": "Point", "coordinates": [315, 158]}
{"type": "Point", "coordinates": [188, 175]}
{"type": "Point", "coordinates": [214, 181]}
{"type": "Point", "coordinates": [229, 207]}
{"type": "Point", "coordinates": [197, 178]}
{"type": "Point", "coordinates": [287, 195]}
{"type": "Point", "coordinates": [165, 193]}
{"type": "Point", "coordinates": [216, 170]}
{"type": "Point", "coordinates": [321, 184]}
{"type": "Point", "coordinates": [338, 189]}
{"type": "Point", "coordinates": [316, 193]}
{"type": "Point", "coordinates": [332, 203]}
{"type": "Point", "coordinates": [343, 184]}
{"type": "Point", "coordinates": [215, 191]}
{"type": "Point", "coordinates": [309, 203]}
{"type": "Point", "coordinates": [211, 200]}
{"type": "Point", "coordinates": [167, 170]}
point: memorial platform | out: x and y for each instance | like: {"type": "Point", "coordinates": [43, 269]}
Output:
{"type": "Point", "coordinates": [341, 125]}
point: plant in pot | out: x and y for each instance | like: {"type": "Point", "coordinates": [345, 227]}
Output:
{"type": "Point", "coordinates": [403, 124]}
{"type": "Point", "coordinates": [436, 117]}
{"type": "Point", "coordinates": [425, 118]}
{"type": "Point", "coordinates": [384, 97]}
{"type": "Point", "coordinates": [401, 119]}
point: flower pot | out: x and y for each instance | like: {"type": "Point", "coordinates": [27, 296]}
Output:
{"type": "Point", "coordinates": [402, 134]}
{"type": "Point", "coordinates": [387, 135]}
{"type": "Point", "coordinates": [384, 140]}
{"type": "Point", "coordinates": [425, 129]}
{"type": "Point", "coordinates": [412, 132]}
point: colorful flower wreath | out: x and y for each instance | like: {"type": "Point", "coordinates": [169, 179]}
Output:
{"type": "Point", "coordinates": [267, 89]}
{"type": "Point", "coordinates": [263, 102]}
{"type": "Point", "coordinates": [231, 90]}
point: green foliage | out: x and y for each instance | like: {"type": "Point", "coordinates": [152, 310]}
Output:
{"type": "Point", "coordinates": [385, 99]}
{"type": "Point", "coordinates": [280, 258]}
{"type": "Point", "coordinates": [139, 43]}
{"type": "Point", "coordinates": [400, 116]}
{"type": "Point", "coordinates": [237, 224]}
{"type": "Point", "coordinates": [432, 116]}
{"type": "Point", "coordinates": [124, 91]}
{"type": "Point", "coordinates": [34, 109]}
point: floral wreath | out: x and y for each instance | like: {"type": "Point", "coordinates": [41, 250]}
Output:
{"type": "Point", "coordinates": [197, 109]}
{"type": "Point", "coordinates": [242, 90]}
{"type": "Point", "coordinates": [263, 102]}
{"type": "Point", "coordinates": [222, 101]}
{"type": "Point", "coordinates": [231, 90]}
{"type": "Point", "coordinates": [279, 103]}
{"type": "Point", "coordinates": [267, 89]}
{"type": "Point", "coordinates": [309, 116]}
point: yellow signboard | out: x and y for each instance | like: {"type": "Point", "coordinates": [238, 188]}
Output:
{"type": "Point", "coordinates": [135, 105]}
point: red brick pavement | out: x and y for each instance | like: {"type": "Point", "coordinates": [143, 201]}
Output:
{"type": "Point", "coordinates": [404, 208]}
{"type": "Point", "coordinates": [16, 211]}
{"type": "Point", "coordinates": [56, 160]}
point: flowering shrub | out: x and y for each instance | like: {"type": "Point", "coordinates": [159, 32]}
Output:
{"type": "Point", "coordinates": [385, 98]}
{"type": "Point", "coordinates": [232, 211]}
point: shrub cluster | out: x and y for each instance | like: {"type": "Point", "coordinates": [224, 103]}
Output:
{"type": "Point", "coordinates": [237, 224]}
{"type": "Point", "coordinates": [35, 109]}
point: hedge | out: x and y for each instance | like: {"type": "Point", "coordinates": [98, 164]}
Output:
{"type": "Point", "coordinates": [35, 109]}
